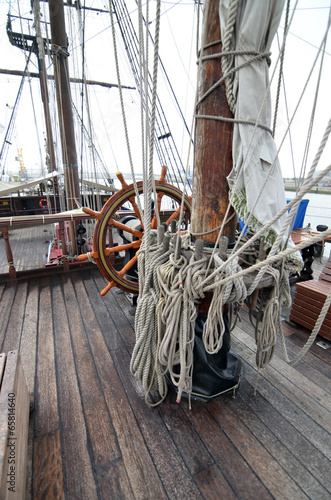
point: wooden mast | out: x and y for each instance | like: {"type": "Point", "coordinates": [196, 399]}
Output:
{"type": "Point", "coordinates": [64, 102]}
{"type": "Point", "coordinates": [213, 142]}
{"type": "Point", "coordinates": [40, 53]}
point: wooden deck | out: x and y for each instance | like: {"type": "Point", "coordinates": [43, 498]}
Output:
{"type": "Point", "coordinates": [29, 247]}
{"type": "Point", "coordinates": [92, 436]}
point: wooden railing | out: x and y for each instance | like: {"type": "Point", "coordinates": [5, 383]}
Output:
{"type": "Point", "coordinates": [8, 223]}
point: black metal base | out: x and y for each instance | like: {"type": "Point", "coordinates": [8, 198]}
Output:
{"type": "Point", "coordinates": [213, 374]}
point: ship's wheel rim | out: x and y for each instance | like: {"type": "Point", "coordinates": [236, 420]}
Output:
{"type": "Point", "coordinates": [102, 225]}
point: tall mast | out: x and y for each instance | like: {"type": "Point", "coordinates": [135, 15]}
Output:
{"type": "Point", "coordinates": [40, 52]}
{"type": "Point", "coordinates": [64, 103]}
{"type": "Point", "coordinates": [213, 141]}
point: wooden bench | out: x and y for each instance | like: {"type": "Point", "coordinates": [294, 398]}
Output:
{"type": "Point", "coordinates": [14, 424]}
{"type": "Point", "coordinates": [308, 302]}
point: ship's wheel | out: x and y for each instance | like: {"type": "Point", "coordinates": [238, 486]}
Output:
{"type": "Point", "coordinates": [130, 228]}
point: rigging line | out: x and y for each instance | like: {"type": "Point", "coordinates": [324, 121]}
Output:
{"type": "Point", "coordinates": [308, 43]}
{"type": "Point", "coordinates": [122, 106]}
{"type": "Point", "coordinates": [281, 68]}
{"type": "Point", "coordinates": [288, 120]}
{"type": "Point", "coordinates": [276, 157]}
{"type": "Point", "coordinates": [168, 80]}
{"type": "Point", "coordinates": [82, 31]}
{"type": "Point", "coordinates": [202, 43]}
{"type": "Point", "coordinates": [131, 44]}
{"type": "Point", "coordinates": [305, 189]}
{"type": "Point", "coordinates": [143, 112]}
{"type": "Point", "coordinates": [155, 74]}
{"type": "Point", "coordinates": [10, 128]}
{"type": "Point", "coordinates": [312, 118]}
{"type": "Point", "coordinates": [85, 93]}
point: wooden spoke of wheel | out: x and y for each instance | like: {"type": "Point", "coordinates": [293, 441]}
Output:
{"type": "Point", "coordinates": [119, 225]}
{"type": "Point", "coordinates": [132, 199]}
{"type": "Point", "coordinates": [174, 216]}
{"type": "Point", "coordinates": [102, 253]}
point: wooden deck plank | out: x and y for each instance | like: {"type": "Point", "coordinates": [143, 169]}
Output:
{"type": "Point", "coordinates": [113, 482]}
{"type": "Point", "coordinates": [123, 323]}
{"type": "Point", "coordinates": [47, 463]}
{"type": "Point", "coordinates": [46, 415]}
{"type": "Point", "coordinates": [238, 447]}
{"type": "Point", "coordinates": [140, 469]}
{"type": "Point", "coordinates": [314, 375]}
{"type": "Point", "coordinates": [5, 310]}
{"type": "Point", "coordinates": [78, 474]}
{"type": "Point", "coordinates": [14, 424]}
{"type": "Point", "coordinates": [316, 356]}
{"type": "Point", "coordinates": [95, 410]}
{"type": "Point", "coordinates": [292, 426]}
{"type": "Point", "coordinates": [212, 484]}
{"type": "Point", "coordinates": [102, 312]}
{"type": "Point", "coordinates": [236, 471]}
{"type": "Point", "coordinates": [259, 457]}
{"type": "Point", "coordinates": [289, 382]}
{"type": "Point", "coordinates": [14, 329]}
{"type": "Point", "coordinates": [188, 442]}
{"type": "Point", "coordinates": [246, 407]}
{"type": "Point", "coordinates": [167, 458]}
{"type": "Point", "coordinates": [28, 341]}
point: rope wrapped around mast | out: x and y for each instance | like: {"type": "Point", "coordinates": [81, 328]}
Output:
{"type": "Point", "coordinates": [170, 291]}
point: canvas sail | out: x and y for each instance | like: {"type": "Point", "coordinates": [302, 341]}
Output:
{"type": "Point", "coordinates": [255, 181]}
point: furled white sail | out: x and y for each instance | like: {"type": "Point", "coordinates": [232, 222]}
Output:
{"type": "Point", "coordinates": [9, 188]}
{"type": "Point", "coordinates": [256, 183]}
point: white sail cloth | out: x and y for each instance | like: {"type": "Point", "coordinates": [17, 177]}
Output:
{"type": "Point", "coordinates": [256, 183]}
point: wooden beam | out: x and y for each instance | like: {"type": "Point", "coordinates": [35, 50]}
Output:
{"type": "Point", "coordinates": [14, 426]}
{"type": "Point", "coordinates": [28, 74]}
{"type": "Point", "coordinates": [213, 143]}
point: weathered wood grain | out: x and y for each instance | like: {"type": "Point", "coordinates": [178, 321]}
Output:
{"type": "Point", "coordinates": [166, 454]}
{"type": "Point", "coordinates": [14, 422]}
{"type": "Point", "coordinates": [113, 482]}
{"type": "Point", "coordinates": [82, 325]}
{"type": "Point", "coordinates": [235, 470]}
{"type": "Point", "coordinates": [287, 380]}
{"type": "Point", "coordinates": [78, 474]}
{"type": "Point", "coordinates": [291, 426]}
{"type": "Point", "coordinates": [46, 414]}
{"type": "Point", "coordinates": [102, 311]}
{"type": "Point", "coordinates": [212, 484]}
{"type": "Point", "coordinates": [188, 442]}
{"type": "Point", "coordinates": [48, 479]}
{"type": "Point", "coordinates": [265, 466]}
{"type": "Point", "coordinates": [28, 342]}
{"type": "Point", "coordinates": [140, 468]}
{"type": "Point", "coordinates": [246, 407]}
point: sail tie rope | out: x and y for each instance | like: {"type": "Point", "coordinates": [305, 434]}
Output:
{"type": "Point", "coordinates": [171, 290]}
{"type": "Point", "coordinates": [178, 314]}
{"type": "Point", "coordinates": [233, 291]}
{"type": "Point", "coordinates": [144, 363]}
{"type": "Point", "coordinates": [122, 107]}
{"type": "Point", "coordinates": [234, 120]}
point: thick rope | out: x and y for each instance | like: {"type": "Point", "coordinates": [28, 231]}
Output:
{"type": "Point", "coordinates": [144, 362]}
{"type": "Point", "coordinates": [122, 107]}
{"type": "Point", "coordinates": [233, 291]}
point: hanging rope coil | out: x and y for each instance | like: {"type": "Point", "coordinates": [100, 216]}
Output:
{"type": "Point", "coordinates": [233, 291]}
{"type": "Point", "coordinates": [144, 361]}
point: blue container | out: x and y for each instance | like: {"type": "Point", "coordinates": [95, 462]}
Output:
{"type": "Point", "coordinates": [300, 217]}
